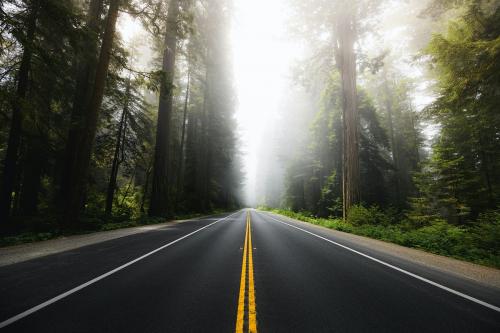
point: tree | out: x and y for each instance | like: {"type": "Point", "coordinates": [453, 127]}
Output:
{"type": "Point", "coordinates": [334, 27]}
{"type": "Point", "coordinates": [83, 136]}
{"type": "Point", "coordinates": [392, 95]}
{"type": "Point", "coordinates": [9, 174]}
{"type": "Point", "coordinates": [85, 67]}
{"type": "Point", "coordinates": [159, 204]}
{"type": "Point", "coordinates": [182, 144]}
{"type": "Point", "coordinates": [80, 167]}
{"type": "Point", "coordinates": [464, 163]}
{"type": "Point", "coordinates": [346, 61]}
{"type": "Point", "coordinates": [119, 148]}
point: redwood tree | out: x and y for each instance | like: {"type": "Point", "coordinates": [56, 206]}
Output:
{"type": "Point", "coordinates": [9, 174]}
{"type": "Point", "coordinates": [346, 36]}
{"type": "Point", "coordinates": [160, 189]}
{"type": "Point", "coordinates": [79, 169]}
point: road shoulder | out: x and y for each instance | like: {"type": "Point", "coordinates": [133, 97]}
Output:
{"type": "Point", "coordinates": [487, 276]}
{"type": "Point", "coordinates": [23, 252]}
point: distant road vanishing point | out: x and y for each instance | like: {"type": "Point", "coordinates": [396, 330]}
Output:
{"type": "Point", "coordinates": [247, 271]}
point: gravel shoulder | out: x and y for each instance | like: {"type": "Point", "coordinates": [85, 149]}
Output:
{"type": "Point", "coordinates": [23, 252]}
{"type": "Point", "coordinates": [482, 274]}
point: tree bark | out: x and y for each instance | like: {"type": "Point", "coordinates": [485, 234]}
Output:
{"type": "Point", "coordinates": [205, 159]}
{"type": "Point", "coordinates": [159, 205]}
{"type": "Point", "coordinates": [415, 136]}
{"type": "Point", "coordinates": [120, 139]}
{"type": "Point", "coordinates": [28, 200]}
{"type": "Point", "coordinates": [79, 174]}
{"type": "Point", "coordinates": [83, 90]}
{"type": "Point", "coordinates": [146, 188]}
{"type": "Point", "coordinates": [9, 174]}
{"type": "Point", "coordinates": [347, 57]}
{"type": "Point", "coordinates": [394, 148]}
{"type": "Point", "coordinates": [181, 148]}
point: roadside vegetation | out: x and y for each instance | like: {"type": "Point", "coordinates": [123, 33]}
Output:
{"type": "Point", "coordinates": [40, 229]}
{"type": "Point", "coordinates": [478, 243]}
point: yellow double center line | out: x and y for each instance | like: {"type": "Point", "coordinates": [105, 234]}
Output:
{"type": "Point", "coordinates": [247, 256]}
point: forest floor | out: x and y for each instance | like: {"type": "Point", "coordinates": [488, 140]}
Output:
{"type": "Point", "coordinates": [441, 238]}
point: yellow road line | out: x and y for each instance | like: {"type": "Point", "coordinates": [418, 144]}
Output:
{"type": "Point", "coordinates": [241, 299]}
{"type": "Point", "coordinates": [252, 313]}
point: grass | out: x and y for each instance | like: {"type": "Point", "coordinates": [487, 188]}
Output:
{"type": "Point", "coordinates": [479, 244]}
{"type": "Point", "coordinates": [36, 230]}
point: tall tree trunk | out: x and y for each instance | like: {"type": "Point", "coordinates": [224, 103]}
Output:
{"type": "Point", "coordinates": [9, 174]}
{"type": "Point", "coordinates": [83, 92]}
{"type": "Point", "coordinates": [347, 57]}
{"type": "Point", "coordinates": [205, 135]}
{"type": "Point", "coordinates": [191, 163]}
{"type": "Point", "coordinates": [159, 192]}
{"type": "Point", "coordinates": [146, 188]}
{"type": "Point", "coordinates": [34, 161]}
{"type": "Point", "coordinates": [28, 200]}
{"type": "Point", "coordinates": [120, 139]}
{"type": "Point", "coordinates": [485, 168]}
{"type": "Point", "coordinates": [181, 148]}
{"type": "Point", "coordinates": [79, 174]}
{"type": "Point", "coordinates": [415, 136]}
{"type": "Point", "coordinates": [394, 148]}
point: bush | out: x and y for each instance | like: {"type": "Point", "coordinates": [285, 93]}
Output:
{"type": "Point", "coordinates": [360, 215]}
{"type": "Point", "coordinates": [439, 237]}
{"type": "Point", "coordinates": [486, 232]}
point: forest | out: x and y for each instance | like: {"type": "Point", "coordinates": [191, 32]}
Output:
{"type": "Point", "coordinates": [89, 137]}
{"type": "Point", "coordinates": [393, 139]}
{"type": "Point", "coordinates": [383, 121]}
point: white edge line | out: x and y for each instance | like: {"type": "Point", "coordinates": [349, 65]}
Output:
{"type": "Point", "coordinates": [100, 277]}
{"type": "Point", "coordinates": [470, 298]}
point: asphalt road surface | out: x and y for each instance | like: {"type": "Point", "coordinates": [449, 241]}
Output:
{"type": "Point", "coordinates": [242, 272]}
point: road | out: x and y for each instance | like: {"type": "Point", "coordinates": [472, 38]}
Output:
{"type": "Point", "coordinates": [245, 271]}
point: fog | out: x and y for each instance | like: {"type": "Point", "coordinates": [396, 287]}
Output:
{"type": "Point", "coordinates": [185, 106]}
{"type": "Point", "coordinates": [276, 104]}
{"type": "Point", "coordinates": [276, 107]}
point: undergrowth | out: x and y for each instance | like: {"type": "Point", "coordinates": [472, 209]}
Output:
{"type": "Point", "coordinates": [478, 243]}
{"type": "Point", "coordinates": [40, 229]}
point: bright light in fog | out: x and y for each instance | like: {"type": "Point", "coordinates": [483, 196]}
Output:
{"type": "Point", "coordinates": [263, 52]}
{"type": "Point", "coordinates": [262, 58]}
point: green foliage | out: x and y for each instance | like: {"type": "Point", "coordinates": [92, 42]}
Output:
{"type": "Point", "coordinates": [462, 178]}
{"type": "Point", "coordinates": [478, 243]}
{"type": "Point", "coordinates": [314, 175]}
{"type": "Point", "coordinates": [360, 215]}
{"type": "Point", "coordinates": [64, 51]}
{"type": "Point", "coordinates": [486, 231]}
{"type": "Point", "coordinates": [37, 229]}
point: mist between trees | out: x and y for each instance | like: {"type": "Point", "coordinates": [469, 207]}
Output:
{"type": "Point", "coordinates": [410, 167]}
{"type": "Point", "coordinates": [372, 130]}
